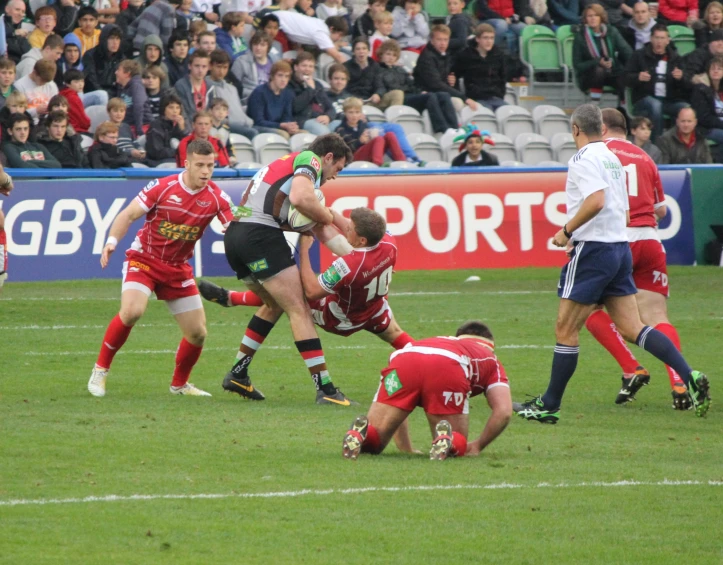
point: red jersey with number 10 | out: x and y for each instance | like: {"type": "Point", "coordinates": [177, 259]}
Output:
{"type": "Point", "coordinates": [361, 279]}
{"type": "Point", "coordinates": [645, 190]}
{"type": "Point", "coordinates": [177, 217]}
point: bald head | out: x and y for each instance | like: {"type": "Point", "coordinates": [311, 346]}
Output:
{"type": "Point", "coordinates": [686, 121]}
{"type": "Point", "coordinates": [16, 10]}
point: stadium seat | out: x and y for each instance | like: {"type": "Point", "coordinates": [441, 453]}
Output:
{"type": "Point", "coordinates": [540, 52]}
{"type": "Point", "coordinates": [533, 148]}
{"type": "Point", "coordinates": [511, 164]}
{"type": "Point", "coordinates": [448, 145]}
{"type": "Point", "coordinates": [35, 4]}
{"type": "Point", "coordinates": [503, 148]}
{"type": "Point", "coordinates": [324, 62]}
{"type": "Point", "coordinates": [408, 60]}
{"type": "Point", "coordinates": [566, 37]}
{"type": "Point", "coordinates": [248, 165]}
{"type": "Point", "coordinates": [301, 141]}
{"type": "Point", "coordinates": [139, 166]}
{"type": "Point", "coordinates": [361, 165]}
{"type": "Point", "coordinates": [437, 165]}
{"type": "Point", "coordinates": [97, 115]}
{"type": "Point", "coordinates": [563, 146]}
{"type": "Point", "coordinates": [407, 117]}
{"type": "Point", "coordinates": [682, 38]}
{"type": "Point", "coordinates": [550, 120]}
{"type": "Point", "coordinates": [402, 165]}
{"type": "Point", "coordinates": [482, 117]}
{"type": "Point", "coordinates": [373, 114]}
{"type": "Point", "coordinates": [425, 146]}
{"type": "Point", "coordinates": [511, 96]}
{"type": "Point", "coordinates": [291, 55]}
{"type": "Point", "coordinates": [167, 166]}
{"type": "Point", "coordinates": [242, 147]}
{"type": "Point", "coordinates": [86, 142]}
{"type": "Point", "coordinates": [269, 147]}
{"type": "Point", "coordinates": [551, 164]}
{"type": "Point", "coordinates": [514, 120]}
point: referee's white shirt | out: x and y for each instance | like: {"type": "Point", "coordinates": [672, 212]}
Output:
{"type": "Point", "coordinates": [595, 168]}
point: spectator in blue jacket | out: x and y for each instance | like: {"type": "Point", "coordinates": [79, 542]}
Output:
{"type": "Point", "coordinates": [270, 105]}
{"type": "Point", "coordinates": [229, 37]}
{"type": "Point", "coordinates": [564, 12]}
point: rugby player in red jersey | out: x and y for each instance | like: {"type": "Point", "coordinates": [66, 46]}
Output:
{"type": "Point", "coordinates": [178, 209]}
{"type": "Point", "coordinates": [6, 187]}
{"type": "Point", "coordinates": [647, 206]}
{"type": "Point", "coordinates": [439, 374]}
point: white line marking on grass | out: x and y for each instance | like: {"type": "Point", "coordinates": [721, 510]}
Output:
{"type": "Point", "coordinates": [489, 292]}
{"type": "Point", "coordinates": [350, 491]}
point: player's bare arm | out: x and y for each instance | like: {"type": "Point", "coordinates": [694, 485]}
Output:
{"type": "Point", "coordinates": [340, 221]}
{"type": "Point", "coordinates": [500, 402]}
{"type": "Point", "coordinates": [590, 208]}
{"type": "Point", "coordinates": [334, 241]}
{"type": "Point", "coordinates": [302, 196]}
{"type": "Point", "coordinates": [661, 212]}
{"type": "Point", "coordinates": [119, 229]}
{"type": "Point", "coordinates": [6, 182]}
{"type": "Point", "coordinates": [312, 289]}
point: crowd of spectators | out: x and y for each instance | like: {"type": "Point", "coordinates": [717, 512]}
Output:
{"type": "Point", "coordinates": [170, 71]}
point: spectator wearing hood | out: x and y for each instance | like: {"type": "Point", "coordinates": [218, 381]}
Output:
{"type": "Point", "coordinates": [152, 56]}
{"type": "Point", "coordinates": [239, 122]}
{"type": "Point", "coordinates": [133, 93]}
{"type": "Point", "coordinates": [158, 19]}
{"type": "Point", "coordinates": [101, 62]}
{"type": "Point", "coordinates": [15, 35]}
{"type": "Point", "coordinates": [52, 50]}
{"type": "Point", "coordinates": [87, 31]}
{"type": "Point", "coordinates": [61, 144]}
{"type": "Point", "coordinates": [71, 57]}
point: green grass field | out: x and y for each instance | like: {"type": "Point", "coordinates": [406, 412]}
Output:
{"type": "Point", "coordinates": [266, 483]}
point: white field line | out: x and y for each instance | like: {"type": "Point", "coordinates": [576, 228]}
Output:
{"type": "Point", "coordinates": [351, 491]}
{"type": "Point", "coordinates": [275, 347]}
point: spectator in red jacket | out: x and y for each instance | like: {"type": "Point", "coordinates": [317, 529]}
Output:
{"type": "Point", "coordinates": [678, 12]}
{"type": "Point", "coordinates": [202, 123]}
{"type": "Point", "coordinates": [73, 90]}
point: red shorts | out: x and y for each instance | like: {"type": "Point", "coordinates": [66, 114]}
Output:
{"type": "Point", "coordinates": [329, 317]}
{"type": "Point", "coordinates": [169, 281]}
{"type": "Point", "coordinates": [436, 383]}
{"type": "Point", "coordinates": [649, 267]}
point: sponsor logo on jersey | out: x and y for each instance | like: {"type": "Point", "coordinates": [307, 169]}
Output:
{"type": "Point", "coordinates": [188, 282]}
{"type": "Point", "coordinates": [376, 267]}
{"type": "Point", "coordinates": [174, 198]}
{"type": "Point", "coordinates": [150, 185]}
{"type": "Point", "coordinates": [202, 203]}
{"type": "Point", "coordinates": [392, 383]}
{"type": "Point", "coordinates": [143, 196]}
{"type": "Point", "coordinates": [336, 271]}
{"type": "Point", "coordinates": [315, 163]}
{"type": "Point", "coordinates": [170, 230]}
{"type": "Point", "coordinates": [256, 266]}
{"type": "Point", "coordinates": [138, 266]}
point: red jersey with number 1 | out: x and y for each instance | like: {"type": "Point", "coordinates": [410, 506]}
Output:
{"type": "Point", "coordinates": [645, 190]}
{"type": "Point", "coordinates": [361, 279]}
{"type": "Point", "coordinates": [177, 217]}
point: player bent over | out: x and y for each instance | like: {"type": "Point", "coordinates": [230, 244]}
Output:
{"type": "Point", "coordinates": [258, 252]}
{"type": "Point", "coordinates": [650, 273]}
{"type": "Point", "coordinates": [6, 186]}
{"type": "Point", "coordinates": [351, 295]}
{"type": "Point", "coordinates": [439, 374]}
{"type": "Point", "coordinates": [178, 209]}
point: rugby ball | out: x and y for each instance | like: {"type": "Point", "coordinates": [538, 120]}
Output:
{"type": "Point", "coordinates": [297, 221]}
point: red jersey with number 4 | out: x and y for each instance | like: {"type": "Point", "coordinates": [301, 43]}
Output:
{"type": "Point", "coordinates": [645, 190]}
{"type": "Point", "coordinates": [361, 279]}
{"type": "Point", "coordinates": [177, 216]}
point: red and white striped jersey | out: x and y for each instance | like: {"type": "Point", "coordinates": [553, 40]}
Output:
{"type": "Point", "coordinates": [477, 357]}
{"type": "Point", "coordinates": [177, 217]}
{"type": "Point", "coordinates": [645, 190]}
{"type": "Point", "coordinates": [361, 278]}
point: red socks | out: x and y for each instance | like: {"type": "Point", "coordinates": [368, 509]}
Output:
{"type": "Point", "coordinates": [247, 298]}
{"type": "Point", "coordinates": [459, 445]}
{"type": "Point", "coordinates": [401, 341]}
{"type": "Point", "coordinates": [371, 443]}
{"type": "Point", "coordinates": [672, 334]}
{"type": "Point", "coordinates": [186, 358]}
{"type": "Point", "coordinates": [114, 338]}
{"type": "Point", "coordinates": [602, 328]}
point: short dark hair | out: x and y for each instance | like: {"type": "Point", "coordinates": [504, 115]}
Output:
{"type": "Point", "coordinates": [659, 27]}
{"type": "Point", "coordinates": [475, 327]}
{"type": "Point", "coordinates": [178, 35]}
{"type": "Point", "coordinates": [638, 121]}
{"type": "Point", "coordinates": [53, 41]}
{"type": "Point", "coordinates": [6, 63]}
{"type": "Point", "coordinates": [200, 147]}
{"type": "Point", "coordinates": [17, 118]}
{"type": "Point", "coordinates": [261, 37]}
{"type": "Point", "coordinates": [337, 68]}
{"type": "Point", "coordinates": [369, 224]}
{"type": "Point", "coordinates": [170, 98]}
{"type": "Point", "coordinates": [115, 32]}
{"type": "Point", "coordinates": [360, 39]}
{"type": "Point", "coordinates": [268, 18]}
{"type": "Point", "coordinates": [231, 19]}
{"type": "Point", "coordinates": [58, 100]}
{"type": "Point", "coordinates": [198, 54]}
{"type": "Point", "coordinates": [614, 120]}
{"type": "Point", "coordinates": [338, 24]}
{"type": "Point", "coordinates": [334, 144]}
{"type": "Point", "coordinates": [303, 56]}
{"type": "Point", "coordinates": [56, 116]}
{"type": "Point", "coordinates": [87, 11]}
{"type": "Point", "coordinates": [220, 57]}
{"type": "Point", "coordinates": [72, 74]}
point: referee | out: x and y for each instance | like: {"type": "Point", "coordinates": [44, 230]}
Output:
{"type": "Point", "coordinates": [599, 270]}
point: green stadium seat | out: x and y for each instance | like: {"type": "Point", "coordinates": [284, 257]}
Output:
{"type": "Point", "coordinates": [540, 52]}
{"type": "Point", "coordinates": [436, 8]}
{"type": "Point", "coordinates": [682, 38]}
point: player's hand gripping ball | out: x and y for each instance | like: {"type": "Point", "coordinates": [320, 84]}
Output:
{"type": "Point", "coordinates": [298, 221]}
